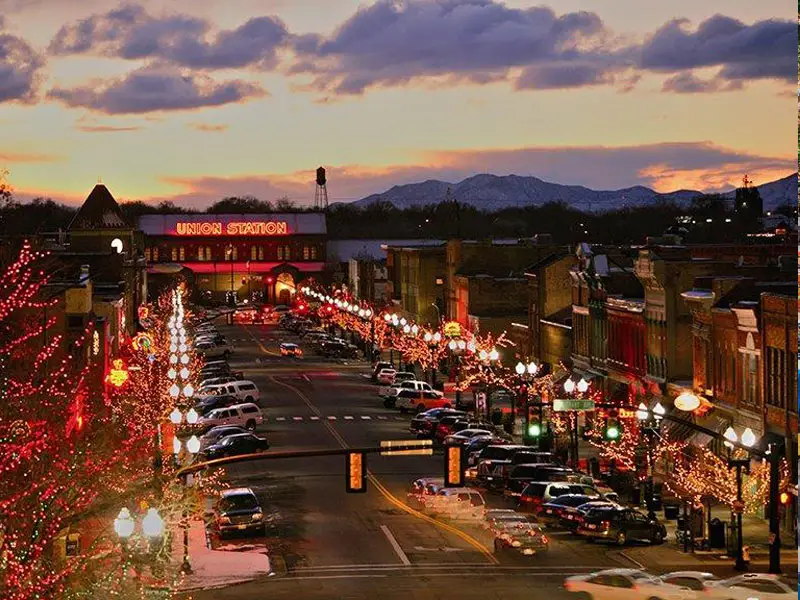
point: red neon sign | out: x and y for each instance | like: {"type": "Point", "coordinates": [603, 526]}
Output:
{"type": "Point", "coordinates": [233, 228]}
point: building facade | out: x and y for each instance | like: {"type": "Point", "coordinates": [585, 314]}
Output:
{"type": "Point", "coordinates": [256, 256]}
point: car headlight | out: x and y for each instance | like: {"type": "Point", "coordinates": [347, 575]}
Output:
{"type": "Point", "coordinates": [258, 516]}
{"type": "Point", "coordinates": [516, 543]}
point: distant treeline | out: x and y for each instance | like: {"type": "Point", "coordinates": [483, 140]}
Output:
{"type": "Point", "coordinates": [382, 220]}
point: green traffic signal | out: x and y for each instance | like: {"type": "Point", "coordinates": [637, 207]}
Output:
{"type": "Point", "coordinates": [535, 429]}
{"type": "Point", "coordinates": [612, 432]}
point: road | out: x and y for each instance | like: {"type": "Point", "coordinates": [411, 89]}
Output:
{"type": "Point", "coordinates": [326, 543]}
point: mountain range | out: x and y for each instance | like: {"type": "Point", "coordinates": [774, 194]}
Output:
{"type": "Point", "coordinates": [496, 192]}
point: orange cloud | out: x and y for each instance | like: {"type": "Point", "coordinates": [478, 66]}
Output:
{"type": "Point", "coordinates": [208, 127]}
{"type": "Point", "coordinates": [25, 157]}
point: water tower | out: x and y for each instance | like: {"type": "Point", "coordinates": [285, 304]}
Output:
{"type": "Point", "coordinates": [321, 193]}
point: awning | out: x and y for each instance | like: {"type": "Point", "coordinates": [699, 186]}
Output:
{"type": "Point", "coordinates": [714, 423]}
{"type": "Point", "coordinates": [678, 431]}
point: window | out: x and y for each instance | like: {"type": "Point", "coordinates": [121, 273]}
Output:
{"type": "Point", "coordinates": [248, 410]}
{"type": "Point", "coordinates": [286, 253]}
{"type": "Point", "coordinates": [313, 253]}
{"type": "Point", "coordinates": [208, 252]}
{"type": "Point", "coordinates": [174, 254]}
{"type": "Point", "coordinates": [200, 253]}
{"type": "Point", "coordinates": [253, 253]}
{"type": "Point", "coordinates": [147, 255]}
{"type": "Point", "coordinates": [280, 252]}
{"type": "Point", "coordinates": [181, 253]}
{"type": "Point", "coordinates": [306, 253]}
{"type": "Point", "coordinates": [155, 254]}
{"type": "Point", "coordinates": [261, 253]}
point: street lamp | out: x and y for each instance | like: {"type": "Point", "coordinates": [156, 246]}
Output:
{"type": "Point", "coordinates": [687, 401]}
{"type": "Point", "coordinates": [124, 524]}
{"type": "Point", "coordinates": [740, 463]}
{"type": "Point", "coordinates": [649, 423]}
{"type": "Point", "coordinates": [152, 524]}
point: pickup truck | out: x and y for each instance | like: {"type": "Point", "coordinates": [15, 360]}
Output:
{"type": "Point", "coordinates": [391, 388]}
{"type": "Point", "coordinates": [389, 393]}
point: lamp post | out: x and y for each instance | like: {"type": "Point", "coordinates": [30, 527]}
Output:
{"type": "Point", "coordinates": [740, 464]}
{"type": "Point", "coordinates": [488, 358]}
{"type": "Point", "coordinates": [192, 446]}
{"type": "Point", "coordinates": [432, 340]}
{"type": "Point", "coordinates": [229, 254]}
{"type": "Point", "coordinates": [457, 348]}
{"type": "Point", "coordinates": [573, 388]}
{"type": "Point", "coordinates": [125, 527]}
{"type": "Point", "coordinates": [525, 374]}
{"type": "Point", "coordinates": [649, 424]}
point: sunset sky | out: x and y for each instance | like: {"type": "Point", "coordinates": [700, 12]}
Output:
{"type": "Point", "coordinates": [194, 100]}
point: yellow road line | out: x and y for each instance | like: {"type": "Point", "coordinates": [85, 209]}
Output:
{"type": "Point", "coordinates": [261, 346]}
{"type": "Point", "coordinates": [384, 491]}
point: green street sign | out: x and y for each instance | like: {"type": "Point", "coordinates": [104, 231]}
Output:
{"type": "Point", "coordinates": [563, 405]}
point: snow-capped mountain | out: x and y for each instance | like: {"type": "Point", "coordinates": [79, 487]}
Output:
{"type": "Point", "coordinates": [495, 192]}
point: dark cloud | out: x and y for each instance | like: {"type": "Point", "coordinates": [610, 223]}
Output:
{"type": "Point", "coordinates": [563, 76]}
{"type": "Point", "coordinates": [152, 89]}
{"type": "Point", "coordinates": [688, 83]}
{"type": "Point", "coordinates": [130, 32]}
{"type": "Point", "coordinates": [19, 68]}
{"type": "Point", "coordinates": [391, 43]}
{"type": "Point", "coordinates": [763, 50]}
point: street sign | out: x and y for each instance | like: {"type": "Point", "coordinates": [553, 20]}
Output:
{"type": "Point", "coordinates": [738, 507]}
{"type": "Point", "coordinates": [425, 447]}
{"type": "Point", "coordinates": [564, 405]}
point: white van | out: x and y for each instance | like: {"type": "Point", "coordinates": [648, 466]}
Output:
{"type": "Point", "coordinates": [461, 503]}
{"type": "Point", "coordinates": [244, 390]}
{"type": "Point", "coordinates": [244, 415]}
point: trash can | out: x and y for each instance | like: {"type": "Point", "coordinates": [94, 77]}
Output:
{"type": "Point", "coordinates": [717, 534]}
{"type": "Point", "coordinates": [671, 512]}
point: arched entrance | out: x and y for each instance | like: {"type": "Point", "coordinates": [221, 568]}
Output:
{"type": "Point", "coordinates": [284, 288]}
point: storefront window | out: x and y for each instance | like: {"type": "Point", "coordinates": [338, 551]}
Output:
{"type": "Point", "coordinates": [261, 253]}
{"type": "Point", "coordinates": [313, 253]}
{"type": "Point", "coordinates": [147, 254]}
{"type": "Point", "coordinates": [208, 252]}
{"type": "Point", "coordinates": [181, 253]}
{"type": "Point", "coordinates": [253, 253]}
{"type": "Point", "coordinates": [200, 254]}
{"type": "Point", "coordinates": [155, 254]}
{"type": "Point", "coordinates": [306, 253]}
{"type": "Point", "coordinates": [174, 254]}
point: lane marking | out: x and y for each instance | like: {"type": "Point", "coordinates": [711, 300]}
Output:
{"type": "Point", "coordinates": [365, 417]}
{"type": "Point", "coordinates": [633, 560]}
{"type": "Point", "coordinates": [397, 549]}
{"type": "Point", "coordinates": [348, 418]}
{"type": "Point", "coordinates": [315, 418]}
{"type": "Point", "coordinates": [261, 346]}
{"type": "Point", "coordinates": [331, 418]}
{"type": "Point", "coordinates": [280, 418]}
{"type": "Point", "coordinates": [382, 417]}
{"type": "Point", "coordinates": [385, 492]}
{"type": "Point", "coordinates": [444, 565]}
{"type": "Point", "coordinates": [297, 418]}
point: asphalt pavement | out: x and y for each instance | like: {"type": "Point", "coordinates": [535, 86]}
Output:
{"type": "Point", "coordinates": [326, 543]}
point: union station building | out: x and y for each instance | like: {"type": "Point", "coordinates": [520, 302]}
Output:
{"type": "Point", "coordinates": [256, 256]}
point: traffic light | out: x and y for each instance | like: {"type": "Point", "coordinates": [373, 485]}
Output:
{"type": "Point", "coordinates": [784, 498]}
{"type": "Point", "coordinates": [454, 466]}
{"type": "Point", "coordinates": [356, 473]}
{"type": "Point", "coordinates": [613, 430]}
{"type": "Point", "coordinates": [534, 427]}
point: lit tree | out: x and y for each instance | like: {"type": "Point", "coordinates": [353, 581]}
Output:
{"type": "Point", "coordinates": [67, 449]}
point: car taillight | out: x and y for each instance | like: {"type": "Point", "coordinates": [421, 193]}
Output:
{"type": "Point", "coordinates": [605, 524]}
{"type": "Point", "coordinates": [545, 540]}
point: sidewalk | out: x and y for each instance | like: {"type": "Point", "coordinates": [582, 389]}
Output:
{"type": "Point", "coordinates": [221, 567]}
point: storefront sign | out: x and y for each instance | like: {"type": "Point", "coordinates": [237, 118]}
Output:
{"type": "Point", "coordinates": [452, 329]}
{"type": "Point", "coordinates": [232, 228]}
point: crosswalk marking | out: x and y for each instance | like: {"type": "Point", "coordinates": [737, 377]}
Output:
{"type": "Point", "coordinates": [280, 418]}
{"type": "Point", "coordinates": [365, 417]}
{"type": "Point", "coordinates": [331, 418]}
{"type": "Point", "coordinates": [315, 418]}
{"type": "Point", "coordinates": [297, 418]}
{"type": "Point", "coordinates": [382, 418]}
{"type": "Point", "coordinates": [348, 418]}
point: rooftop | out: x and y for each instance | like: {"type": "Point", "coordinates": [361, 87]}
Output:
{"type": "Point", "coordinates": [99, 211]}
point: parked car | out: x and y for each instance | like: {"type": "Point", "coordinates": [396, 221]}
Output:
{"type": "Point", "coordinates": [493, 517]}
{"type": "Point", "coordinates": [523, 538]}
{"type": "Point", "coordinates": [521, 475]}
{"type": "Point", "coordinates": [465, 435]}
{"type": "Point", "coordinates": [385, 375]}
{"type": "Point", "coordinates": [697, 581]}
{"type": "Point", "coordinates": [573, 516]}
{"type": "Point", "coordinates": [621, 526]}
{"type": "Point", "coordinates": [624, 584]}
{"type": "Point", "coordinates": [492, 455]}
{"type": "Point", "coordinates": [378, 367]}
{"type": "Point", "coordinates": [246, 415]}
{"type": "Point", "coordinates": [391, 393]}
{"type": "Point", "coordinates": [288, 349]}
{"type": "Point", "coordinates": [445, 426]}
{"type": "Point", "coordinates": [538, 493]}
{"type": "Point", "coordinates": [206, 403]}
{"type": "Point", "coordinates": [210, 349]}
{"type": "Point", "coordinates": [245, 390]}
{"type": "Point", "coordinates": [752, 585]}
{"type": "Point", "coordinates": [424, 424]}
{"type": "Point", "coordinates": [420, 401]}
{"type": "Point", "coordinates": [215, 381]}
{"type": "Point", "coordinates": [238, 510]}
{"type": "Point", "coordinates": [552, 512]}
{"type": "Point", "coordinates": [213, 435]}
{"type": "Point", "coordinates": [338, 349]}
{"type": "Point", "coordinates": [236, 444]}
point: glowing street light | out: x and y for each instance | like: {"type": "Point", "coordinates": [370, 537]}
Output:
{"type": "Point", "coordinates": [520, 369]}
{"type": "Point", "coordinates": [494, 354]}
{"type": "Point", "coordinates": [123, 524]}
{"type": "Point", "coordinates": [642, 413]}
{"type": "Point", "coordinates": [687, 401]}
{"type": "Point", "coordinates": [731, 436]}
{"type": "Point", "coordinates": [152, 524]}
{"type": "Point", "coordinates": [748, 438]}
{"type": "Point", "coordinates": [193, 445]}
{"type": "Point", "coordinates": [583, 385]}
{"type": "Point", "coordinates": [175, 416]}
{"type": "Point", "coordinates": [532, 368]}
{"type": "Point", "coordinates": [569, 386]}
{"type": "Point", "coordinates": [192, 416]}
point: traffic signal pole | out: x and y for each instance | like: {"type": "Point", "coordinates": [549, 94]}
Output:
{"type": "Point", "coordinates": [774, 517]}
